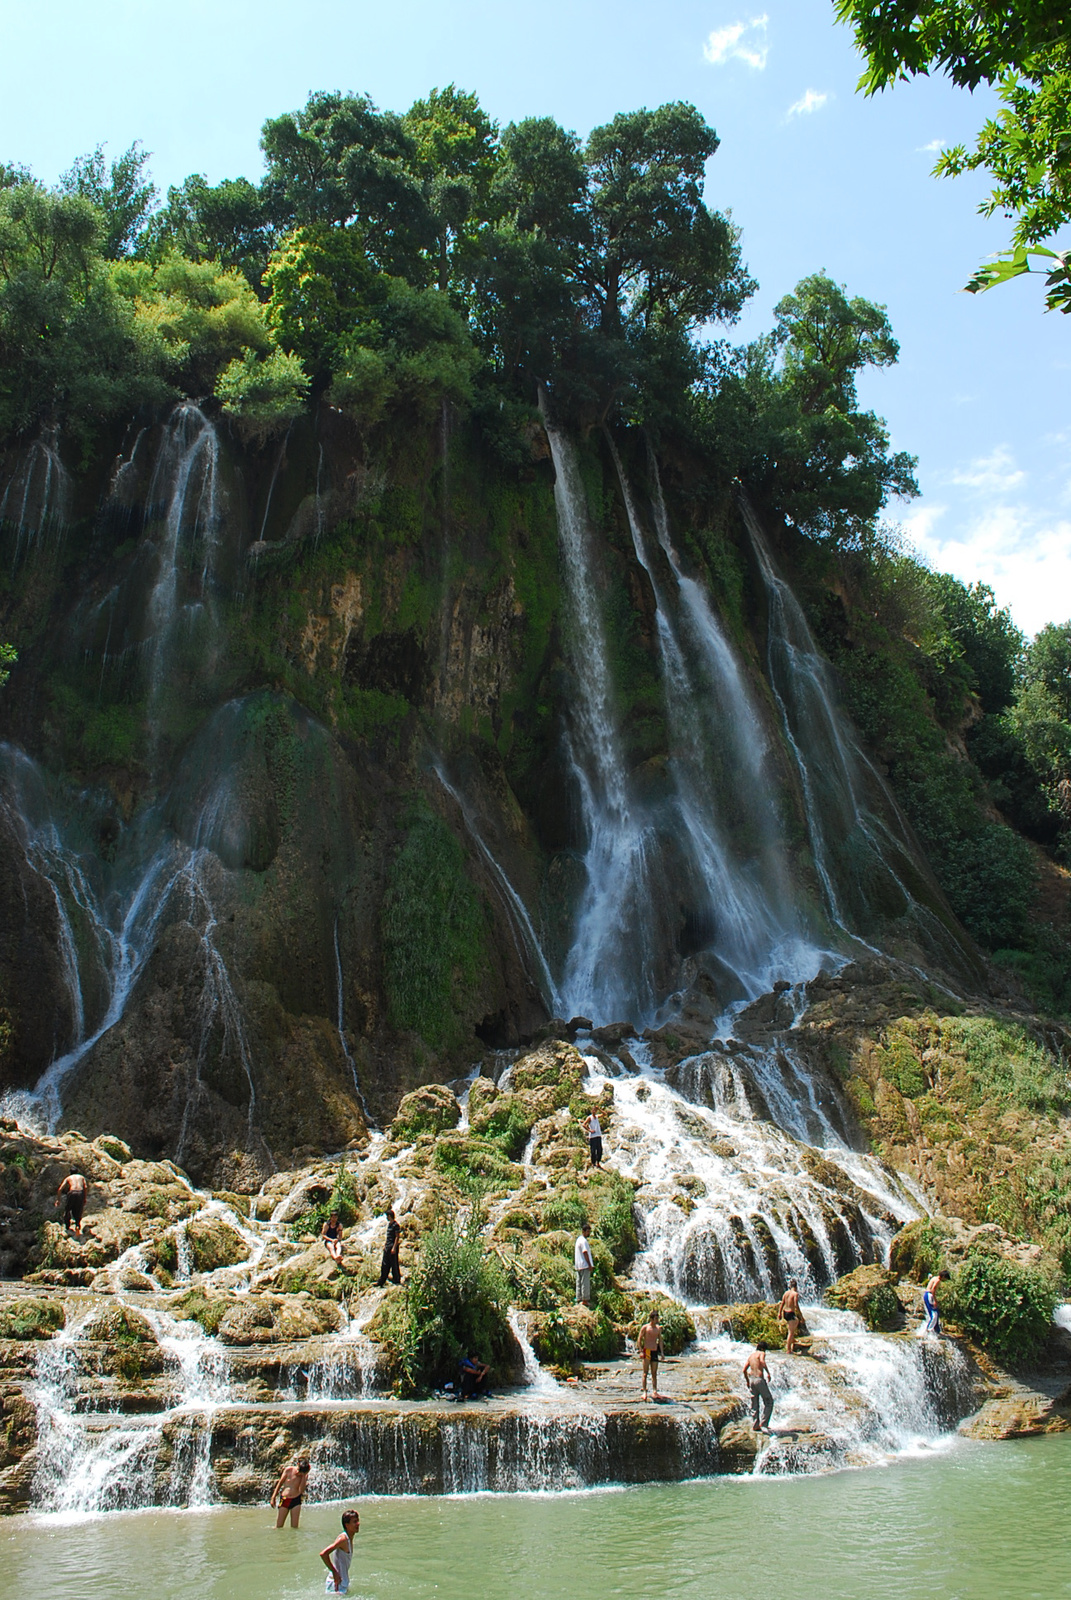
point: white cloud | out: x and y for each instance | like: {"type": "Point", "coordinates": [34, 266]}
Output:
{"type": "Point", "coordinates": [995, 473]}
{"type": "Point", "coordinates": [813, 100]}
{"type": "Point", "coordinates": [931, 149]}
{"type": "Point", "coordinates": [739, 41]}
{"type": "Point", "coordinates": [1022, 554]}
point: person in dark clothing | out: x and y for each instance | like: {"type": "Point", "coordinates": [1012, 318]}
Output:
{"type": "Point", "coordinates": [390, 1266]}
{"type": "Point", "coordinates": [76, 1190]}
{"type": "Point", "coordinates": [475, 1377]}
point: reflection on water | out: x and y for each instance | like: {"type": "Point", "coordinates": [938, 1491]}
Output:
{"type": "Point", "coordinates": [983, 1522]}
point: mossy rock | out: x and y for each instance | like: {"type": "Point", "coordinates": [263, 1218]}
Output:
{"type": "Point", "coordinates": [482, 1093]}
{"type": "Point", "coordinates": [508, 1120]}
{"type": "Point", "coordinates": [215, 1243]}
{"type": "Point", "coordinates": [750, 1323]}
{"type": "Point", "coordinates": [118, 1324]}
{"type": "Point", "coordinates": [112, 1146]}
{"type": "Point", "coordinates": [678, 1329]}
{"type": "Point", "coordinates": [467, 1158]}
{"type": "Point", "coordinates": [27, 1317]}
{"type": "Point", "coordinates": [249, 1321]}
{"type": "Point", "coordinates": [920, 1249]}
{"type": "Point", "coordinates": [433, 1108]}
{"type": "Point", "coordinates": [574, 1334]}
{"type": "Point", "coordinates": [196, 1306]}
{"type": "Point", "coordinates": [556, 1066]}
{"type": "Point", "coordinates": [868, 1291]}
{"type": "Point", "coordinates": [517, 1220]}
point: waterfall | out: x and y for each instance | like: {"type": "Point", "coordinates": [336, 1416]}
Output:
{"type": "Point", "coordinates": [185, 487]}
{"type": "Point", "coordinates": [36, 498]}
{"type": "Point", "coordinates": [757, 934]}
{"type": "Point", "coordinates": [870, 868]}
{"type": "Point", "coordinates": [610, 970]}
{"type": "Point", "coordinates": [340, 1023]}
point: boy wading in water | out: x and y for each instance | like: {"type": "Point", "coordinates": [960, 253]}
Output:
{"type": "Point", "coordinates": [756, 1376]}
{"type": "Point", "coordinates": [337, 1557]}
{"type": "Point", "coordinates": [290, 1490]}
{"type": "Point", "coordinates": [75, 1187]}
{"type": "Point", "coordinates": [652, 1351]}
{"type": "Point", "coordinates": [789, 1312]}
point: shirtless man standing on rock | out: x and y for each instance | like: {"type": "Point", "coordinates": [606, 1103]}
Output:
{"type": "Point", "coordinates": [75, 1187]}
{"type": "Point", "coordinates": [789, 1313]}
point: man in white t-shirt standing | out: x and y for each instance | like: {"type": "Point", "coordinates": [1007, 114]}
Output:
{"type": "Point", "coordinates": [583, 1260]}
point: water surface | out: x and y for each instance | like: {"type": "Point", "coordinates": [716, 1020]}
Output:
{"type": "Point", "coordinates": [978, 1522]}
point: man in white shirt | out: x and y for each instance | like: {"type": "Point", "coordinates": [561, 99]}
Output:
{"type": "Point", "coordinates": [583, 1261]}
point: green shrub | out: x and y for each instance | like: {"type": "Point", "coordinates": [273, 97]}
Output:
{"type": "Point", "coordinates": [456, 1302]}
{"type": "Point", "coordinates": [508, 1122]}
{"type": "Point", "coordinates": [1006, 1064]}
{"type": "Point", "coordinates": [678, 1329]}
{"type": "Point", "coordinates": [881, 1308]}
{"type": "Point", "coordinates": [343, 1199]}
{"type": "Point", "coordinates": [1007, 1307]}
{"type": "Point", "coordinates": [615, 1224]}
{"type": "Point", "coordinates": [565, 1211]}
{"type": "Point", "coordinates": [468, 1160]}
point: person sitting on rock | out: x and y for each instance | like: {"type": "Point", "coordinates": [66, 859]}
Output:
{"type": "Point", "coordinates": [331, 1234]}
{"type": "Point", "coordinates": [789, 1313]}
{"type": "Point", "coordinates": [290, 1490]}
{"type": "Point", "coordinates": [76, 1189]}
{"type": "Point", "coordinates": [475, 1376]}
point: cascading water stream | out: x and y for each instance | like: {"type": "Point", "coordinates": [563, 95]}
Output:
{"type": "Point", "coordinates": [527, 940]}
{"type": "Point", "coordinates": [861, 846]}
{"type": "Point", "coordinates": [757, 932]}
{"type": "Point", "coordinates": [610, 968]}
{"type": "Point", "coordinates": [36, 498]}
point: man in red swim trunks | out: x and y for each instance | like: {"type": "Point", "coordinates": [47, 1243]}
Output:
{"type": "Point", "coordinates": [290, 1490]}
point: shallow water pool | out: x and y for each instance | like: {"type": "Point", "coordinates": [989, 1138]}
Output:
{"type": "Point", "coordinates": [975, 1522]}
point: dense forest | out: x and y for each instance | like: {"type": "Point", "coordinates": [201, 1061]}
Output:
{"type": "Point", "coordinates": [434, 270]}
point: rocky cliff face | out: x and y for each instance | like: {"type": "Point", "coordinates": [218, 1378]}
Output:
{"type": "Point", "coordinates": [312, 790]}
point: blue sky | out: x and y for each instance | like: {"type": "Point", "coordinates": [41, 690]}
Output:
{"type": "Point", "coordinates": [817, 177]}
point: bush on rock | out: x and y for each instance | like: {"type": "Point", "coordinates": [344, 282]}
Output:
{"type": "Point", "coordinates": [1006, 1306]}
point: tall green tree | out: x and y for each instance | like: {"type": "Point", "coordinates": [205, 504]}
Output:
{"type": "Point", "coordinates": [123, 192]}
{"type": "Point", "coordinates": [1023, 47]}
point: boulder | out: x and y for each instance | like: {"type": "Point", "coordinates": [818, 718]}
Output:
{"type": "Point", "coordinates": [738, 1447]}
{"type": "Point", "coordinates": [430, 1109]}
{"type": "Point", "coordinates": [481, 1093]}
{"type": "Point", "coordinates": [214, 1243]}
{"type": "Point", "coordinates": [868, 1291]}
{"type": "Point", "coordinates": [250, 1321]}
{"type": "Point", "coordinates": [118, 1149]}
{"type": "Point", "coordinates": [555, 1065]}
{"type": "Point", "coordinates": [25, 1316]}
